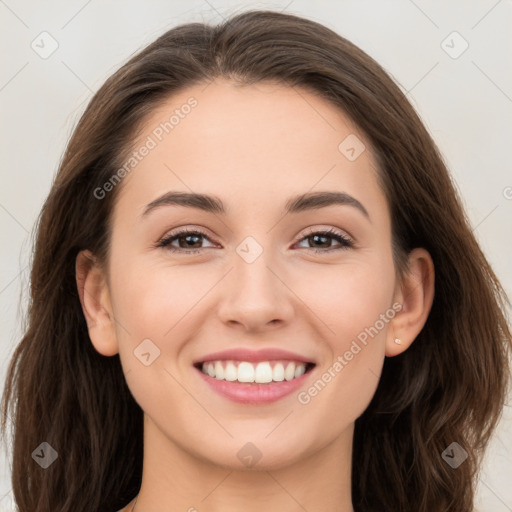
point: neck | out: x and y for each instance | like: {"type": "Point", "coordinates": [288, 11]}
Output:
{"type": "Point", "coordinates": [176, 480]}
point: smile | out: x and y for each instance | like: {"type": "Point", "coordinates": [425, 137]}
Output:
{"type": "Point", "coordinates": [254, 382]}
{"type": "Point", "coordinates": [261, 373]}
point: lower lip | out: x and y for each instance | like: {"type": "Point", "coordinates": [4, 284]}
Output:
{"type": "Point", "coordinates": [252, 393]}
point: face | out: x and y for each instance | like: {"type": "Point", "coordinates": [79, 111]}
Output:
{"type": "Point", "coordinates": [262, 272]}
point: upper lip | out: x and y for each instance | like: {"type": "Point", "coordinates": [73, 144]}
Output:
{"type": "Point", "coordinates": [245, 354]}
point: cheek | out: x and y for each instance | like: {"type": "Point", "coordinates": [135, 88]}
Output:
{"type": "Point", "coordinates": [349, 297]}
{"type": "Point", "coordinates": [152, 299]}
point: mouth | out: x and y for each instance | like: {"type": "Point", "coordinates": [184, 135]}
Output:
{"type": "Point", "coordinates": [254, 382]}
{"type": "Point", "coordinates": [249, 372]}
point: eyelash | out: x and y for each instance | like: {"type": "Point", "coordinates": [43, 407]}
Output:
{"type": "Point", "coordinates": [165, 242]}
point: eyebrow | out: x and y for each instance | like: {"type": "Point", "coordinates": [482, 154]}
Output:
{"type": "Point", "coordinates": [296, 204]}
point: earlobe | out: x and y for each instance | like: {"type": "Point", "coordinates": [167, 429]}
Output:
{"type": "Point", "coordinates": [96, 306]}
{"type": "Point", "coordinates": [416, 295]}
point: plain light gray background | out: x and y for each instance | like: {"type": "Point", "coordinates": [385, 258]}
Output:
{"type": "Point", "coordinates": [464, 96]}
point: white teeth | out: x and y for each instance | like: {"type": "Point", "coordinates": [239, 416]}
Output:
{"type": "Point", "coordinates": [300, 370]}
{"type": "Point", "coordinates": [245, 372]}
{"type": "Point", "coordinates": [263, 373]}
{"type": "Point", "coordinates": [289, 373]}
{"type": "Point", "coordinates": [230, 373]}
{"type": "Point", "coordinates": [219, 370]}
{"type": "Point", "coordinates": [278, 372]}
{"type": "Point", "coordinates": [260, 373]}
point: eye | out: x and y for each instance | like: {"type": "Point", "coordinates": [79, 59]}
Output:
{"type": "Point", "coordinates": [187, 239]}
{"type": "Point", "coordinates": [325, 237]}
{"type": "Point", "coordinates": [190, 241]}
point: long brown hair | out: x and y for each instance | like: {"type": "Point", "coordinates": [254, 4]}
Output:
{"type": "Point", "coordinates": [449, 386]}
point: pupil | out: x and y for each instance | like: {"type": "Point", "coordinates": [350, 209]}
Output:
{"type": "Point", "coordinates": [316, 237]}
{"type": "Point", "coordinates": [188, 237]}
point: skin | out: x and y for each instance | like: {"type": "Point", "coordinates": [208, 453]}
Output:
{"type": "Point", "coordinates": [253, 147]}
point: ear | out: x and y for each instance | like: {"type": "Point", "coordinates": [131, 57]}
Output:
{"type": "Point", "coordinates": [416, 294]}
{"type": "Point", "coordinates": [95, 300]}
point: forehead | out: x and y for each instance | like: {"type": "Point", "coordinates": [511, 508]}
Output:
{"type": "Point", "coordinates": [258, 142]}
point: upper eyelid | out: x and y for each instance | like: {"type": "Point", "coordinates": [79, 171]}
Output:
{"type": "Point", "coordinates": [186, 231]}
{"type": "Point", "coordinates": [331, 231]}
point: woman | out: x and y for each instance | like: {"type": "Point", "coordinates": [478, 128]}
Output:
{"type": "Point", "coordinates": [233, 292]}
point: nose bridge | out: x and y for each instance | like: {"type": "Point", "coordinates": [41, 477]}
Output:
{"type": "Point", "coordinates": [254, 295]}
{"type": "Point", "coordinates": [255, 277]}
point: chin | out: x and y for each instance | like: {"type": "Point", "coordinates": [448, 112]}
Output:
{"type": "Point", "coordinates": [256, 455]}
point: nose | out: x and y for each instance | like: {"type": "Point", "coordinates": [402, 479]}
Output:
{"type": "Point", "coordinates": [255, 296]}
